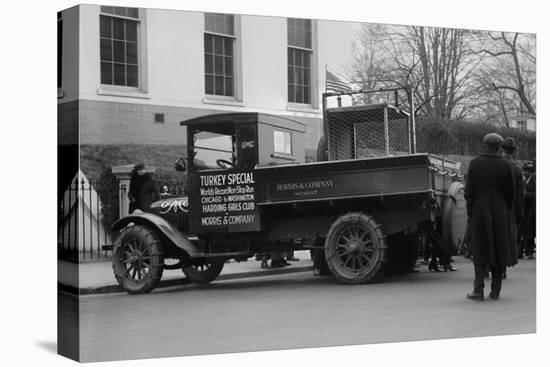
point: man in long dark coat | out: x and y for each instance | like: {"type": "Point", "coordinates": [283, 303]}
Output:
{"type": "Point", "coordinates": [490, 194]}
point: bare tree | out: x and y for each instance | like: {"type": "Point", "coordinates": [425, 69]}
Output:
{"type": "Point", "coordinates": [437, 62]}
{"type": "Point", "coordinates": [493, 105]}
{"type": "Point", "coordinates": [510, 68]}
{"type": "Point", "coordinates": [370, 60]}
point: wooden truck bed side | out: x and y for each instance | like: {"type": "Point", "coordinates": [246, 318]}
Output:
{"type": "Point", "coordinates": [332, 180]}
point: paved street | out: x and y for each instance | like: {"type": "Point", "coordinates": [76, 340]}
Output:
{"type": "Point", "coordinates": [301, 310]}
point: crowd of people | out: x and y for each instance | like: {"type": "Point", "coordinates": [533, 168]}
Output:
{"type": "Point", "coordinates": [502, 224]}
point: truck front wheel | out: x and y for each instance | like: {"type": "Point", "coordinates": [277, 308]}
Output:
{"type": "Point", "coordinates": [355, 248]}
{"type": "Point", "coordinates": [138, 260]}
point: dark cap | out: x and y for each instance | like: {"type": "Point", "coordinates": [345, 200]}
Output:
{"type": "Point", "coordinates": [509, 143]}
{"type": "Point", "coordinates": [492, 139]}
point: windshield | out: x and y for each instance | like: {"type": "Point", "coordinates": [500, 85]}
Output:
{"type": "Point", "coordinates": [210, 148]}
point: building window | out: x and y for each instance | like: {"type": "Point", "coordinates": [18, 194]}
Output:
{"type": "Point", "coordinates": [300, 53]}
{"type": "Point", "coordinates": [219, 54]}
{"type": "Point", "coordinates": [119, 29]}
{"type": "Point", "coordinates": [522, 124]}
{"type": "Point", "coordinates": [59, 49]}
{"type": "Point", "coordinates": [281, 142]}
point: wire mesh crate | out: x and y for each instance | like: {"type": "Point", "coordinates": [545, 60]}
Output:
{"type": "Point", "coordinates": [369, 130]}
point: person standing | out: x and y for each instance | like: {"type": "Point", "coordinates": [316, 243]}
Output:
{"type": "Point", "coordinates": [143, 189]}
{"type": "Point", "coordinates": [490, 194]}
{"type": "Point", "coordinates": [528, 225]}
{"type": "Point", "coordinates": [437, 252]}
{"type": "Point", "coordinates": [508, 149]}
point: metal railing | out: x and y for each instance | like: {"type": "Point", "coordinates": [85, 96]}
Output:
{"type": "Point", "coordinates": [82, 233]}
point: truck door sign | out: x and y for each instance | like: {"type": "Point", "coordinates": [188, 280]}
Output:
{"type": "Point", "coordinates": [304, 188]}
{"type": "Point", "coordinates": [340, 184]}
{"type": "Point", "coordinates": [227, 201]}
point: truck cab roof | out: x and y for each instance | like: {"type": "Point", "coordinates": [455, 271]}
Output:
{"type": "Point", "coordinates": [244, 139]}
{"type": "Point", "coordinates": [233, 119]}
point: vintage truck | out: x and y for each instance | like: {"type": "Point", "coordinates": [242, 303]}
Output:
{"type": "Point", "coordinates": [359, 209]}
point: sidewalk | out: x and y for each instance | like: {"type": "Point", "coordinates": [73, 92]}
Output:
{"type": "Point", "coordinates": [98, 278]}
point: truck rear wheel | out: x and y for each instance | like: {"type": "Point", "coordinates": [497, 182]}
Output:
{"type": "Point", "coordinates": [138, 260]}
{"type": "Point", "coordinates": [205, 272]}
{"type": "Point", "coordinates": [355, 248]}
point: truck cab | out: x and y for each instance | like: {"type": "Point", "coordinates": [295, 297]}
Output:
{"type": "Point", "coordinates": [242, 140]}
{"type": "Point", "coordinates": [222, 151]}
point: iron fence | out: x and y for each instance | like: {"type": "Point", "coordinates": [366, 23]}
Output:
{"type": "Point", "coordinates": [83, 232]}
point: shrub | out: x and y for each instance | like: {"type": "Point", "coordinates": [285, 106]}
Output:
{"type": "Point", "coordinates": [465, 138]}
{"type": "Point", "coordinates": [107, 189]}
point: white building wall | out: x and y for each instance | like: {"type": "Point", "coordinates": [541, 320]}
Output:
{"type": "Point", "coordinates": [172, 72]}
{"type": "Point", "coordinates": [69, 61]}
{"type": "Point", "coordinates": [264, 63]}
{"type": "Point", "coordinates": [173, 64]}
{"type": "Point", "coordinates": [175, 49]}
{"type": "Point", "coordinates": [88, 56]}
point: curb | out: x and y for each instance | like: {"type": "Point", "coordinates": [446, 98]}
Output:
{"type": "Point", "coordinates": [182, 281]}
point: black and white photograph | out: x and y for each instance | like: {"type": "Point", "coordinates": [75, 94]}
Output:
{"type": "Point", "coordinates": [231, 180]}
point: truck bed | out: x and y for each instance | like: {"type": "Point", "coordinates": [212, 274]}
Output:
{"type": "Point", "coordinates": [357, 178]}
{"type": "Point", "coordinates": [258, 199]}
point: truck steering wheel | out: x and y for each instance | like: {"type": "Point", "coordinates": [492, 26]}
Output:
{"type": "Point", "coordinates": [222, 163]}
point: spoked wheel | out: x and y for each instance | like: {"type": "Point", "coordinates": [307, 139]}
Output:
{"type": "Point", "coordinates": [204, 272]}
{"type": "Point", "coordinates": [355, 248]}
{"type": "Point", "coordinates": [138, 261]}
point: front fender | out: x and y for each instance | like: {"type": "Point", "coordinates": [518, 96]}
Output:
{"type": "Point", "coordinates": [177, 238]}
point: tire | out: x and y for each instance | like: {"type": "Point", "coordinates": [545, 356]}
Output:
{"type": "Point", "coordinates": [204, 272]}
{"type": "Point", "coordinates": [138, 260]}
{"type": "Point", "coordinates": [355, 248]}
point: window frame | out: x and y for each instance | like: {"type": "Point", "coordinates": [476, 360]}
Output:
{"type": "Point", "coordinates": [235, 98]}
{"type": "Point", "coordinates": [313, 88]}
{"type": "Point", "coordinates": [287, 132]}
{"type": "Point", "coordinates": [197, 148]}
{"type": "Point", "coordinates": [139, 91]}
